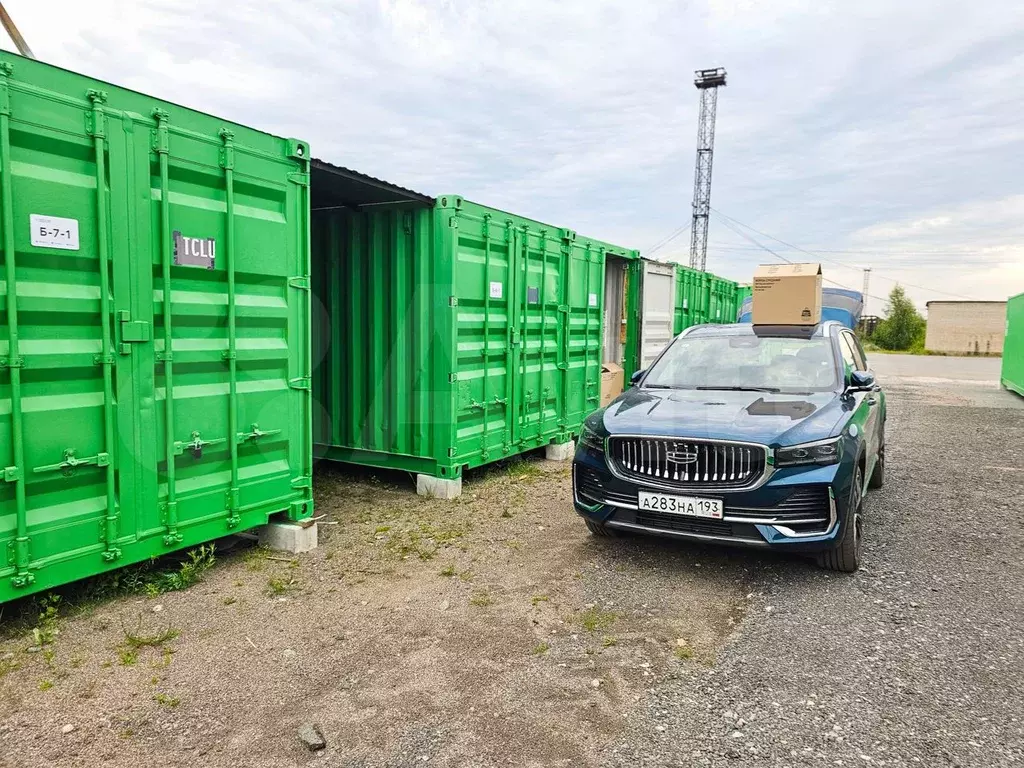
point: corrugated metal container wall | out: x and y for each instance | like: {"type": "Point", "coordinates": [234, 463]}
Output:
{"type": "Point", "coordinates": [491, 346]}
{"type": "Point", "coordinates": [1013, 346]}
{"type": "Point", "coordinates": [155, 265]}
{"type": "Point", "coordinates": [703, 298]}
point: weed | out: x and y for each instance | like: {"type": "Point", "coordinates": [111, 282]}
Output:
{"type": "Point", "coordinates": [521, 469]}
{"type": "Point", "coordinates": [126, 733]}
{"type": "Point", "coordinates": [448, 570]}
{"type": "Point", "coordinates": [538, 599]}
{"type": "Point", "coordinates": [506, 514]}
{"type": "Point", "coordinates": [684, 652]}
{"type": "Point", "coordinates": [514, 545]}
{"type": "Point", "coordinates": [166, 701]}
{"type": "Point", "coordinates": [167, 656]}
{"type": "Point", "coordinates": [594, 619]}
{"type": "Point", "coordinates": [608, 642]}
{"type": "Point", "coordinates": [48, 656]}
{"type": "Point", "coordinates": [277, 586]}
{"type": "Point", "coordinates": [481, 599]}
{"type": "Point", "coordinates": [76, 662]}
{"type": "Point", "coordinates": [255, 560]}
{"type": "Point", "coordinates": [46, 631]}
{"type": "Point", "coordinates": [106, 664]}
{"type": "Point", "coordinates": [541, 648]}
{"type": "Point", "coordinates": [45, 685]}
{"type": "Point", "coordinates": [154, 680]}
{"type": "Point", "coordinates": [466, 576]}
{"type": "Point", "coordinates": [128, 657]}
{"type": "Point", "coordinates": [381, 529]}
{"type": "Point", "coordinates": [191, 571]}
{"type": "Point", "coordinates": [8, 664]}
{"type": "Point", "coordinates": [136, 640]}
{"type": "Point", "coordinates": [230, 600]}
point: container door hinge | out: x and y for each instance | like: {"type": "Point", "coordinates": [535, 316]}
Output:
{"type": "Point", "coordinates": [302, 382]}
{"type": "Point", "coordinates": [302, 179]}
{"type": "Point", "coordinates": [453, 377]}
{"type": "Point", "coordinates": [451, 453]}
{"type": "Point", "coordinates": [300, 281]}
{"type": "Point", "coordinates": [563, 366]}
{"type": "Point", "coordinates": [12, 362]}
{"type": "Point", "coordinates": [132, 331]}
{"type": "Point", "coordinates": [563, 308]}
{"type": "Point", "coordinates": [453, 301]}
{"type": "Point", "coordinates": [233, 518]}
{"type": "Point", "coordinates": [514, 339]}
{"type": "Point", "coordinates": [6, 70]}
{"type": "Point", "coordinates": [303, 482]}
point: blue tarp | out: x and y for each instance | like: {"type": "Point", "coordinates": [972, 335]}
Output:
{"type": "Point", "coordinates": [837, 304]}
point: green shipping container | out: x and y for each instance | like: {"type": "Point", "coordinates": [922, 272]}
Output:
{"type": "Point", "coordinates": [704, 298]}
{"type": "Point", "coordinates": [154, 340]}
{"type": "Point", "coordinates": [1013, 346]}
{"type": "Point", "coordinates": [451, 334]}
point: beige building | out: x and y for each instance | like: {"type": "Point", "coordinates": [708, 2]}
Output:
{"type": "Point", "coordinates": [966, 327]}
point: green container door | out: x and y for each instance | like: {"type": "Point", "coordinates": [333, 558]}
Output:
{"type": "Point", "coordinates": [528, 333]}
{"type": "Point", "coordinates": [154, 264]}
{"type": "Point", "coordinates": [1013, 346]}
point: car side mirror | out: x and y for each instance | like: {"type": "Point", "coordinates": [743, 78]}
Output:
{"type": "Point", "coordinates": [861, 380]}
{"type": "Point", "coordinates": [635, 378]}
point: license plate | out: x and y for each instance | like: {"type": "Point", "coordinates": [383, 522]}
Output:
{"type": "Point", "coordinates": [691, 506]}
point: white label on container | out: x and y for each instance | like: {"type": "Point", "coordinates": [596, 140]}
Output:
{"type": "Point", "coordinates": [592, 300]}
{"type": "Point", "coordinates": [53, 232]}
{"type": "Point", "coordinates": [495, 290]}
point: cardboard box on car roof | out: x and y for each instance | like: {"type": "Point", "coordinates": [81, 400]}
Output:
{"type": "Point", "coordinates": [787, 294]}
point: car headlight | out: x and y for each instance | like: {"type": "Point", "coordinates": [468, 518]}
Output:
{"type": "Point", "coordinates": [819, 452]}
{"type": "Point", "coordinates": [590, 439]}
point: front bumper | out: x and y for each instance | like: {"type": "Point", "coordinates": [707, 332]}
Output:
{"type": "Point", "coordinates": [797, 509]}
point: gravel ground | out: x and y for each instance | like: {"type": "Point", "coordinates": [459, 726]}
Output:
{"type": "Point", "coordinates": [917, 659]}
{"type": "Point", "coordinates": [494, 631]}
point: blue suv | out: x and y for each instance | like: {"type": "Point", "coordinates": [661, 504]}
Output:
{"type": "Point", "coordinates": [740, 434]}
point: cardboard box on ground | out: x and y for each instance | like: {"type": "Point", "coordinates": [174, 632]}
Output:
{"type": "Point", "coordinates": [612, 380]}
{"type": "Point", "coordinates": [787, 294]}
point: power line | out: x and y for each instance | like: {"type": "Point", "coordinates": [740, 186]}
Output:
{"type": "Point", "coordinates": [666, 240]}
{"type": "Point", "coordinates": [833, 261]}
{"type": "Point", "coordinates": [765, 248]}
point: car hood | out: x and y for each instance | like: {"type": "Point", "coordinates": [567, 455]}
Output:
{"type": "Point", "coordinates": [757, 417]}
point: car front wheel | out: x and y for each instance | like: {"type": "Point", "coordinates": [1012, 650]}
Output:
{"type": "Point", "coordinates": [846, 557]}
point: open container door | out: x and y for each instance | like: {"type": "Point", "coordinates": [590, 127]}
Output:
{"type": "Point", "coordinates": [657, 310]}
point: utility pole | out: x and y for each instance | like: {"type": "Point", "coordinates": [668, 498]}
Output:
{"type": "Point", "coordinates": [867, 281]}
{"type": "Point", "coordinates": [19, 41]}
{"type": "Point", "coordinates": [707, 82]}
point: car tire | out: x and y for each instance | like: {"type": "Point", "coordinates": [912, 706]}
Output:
{"type": "Point", "coordinates": [878, 473]}
{"type": "Point", "coordinates": [599, 530]}
{"type": "Point", "coordinates": [845, 558]}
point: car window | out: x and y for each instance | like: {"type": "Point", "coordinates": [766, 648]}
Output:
{"type": "Point", "coordinates": [848, 358]}
{"type": "Point", "coordinates": [786, 364]}
{"type": "Point", "coordinates": [857, 361]}
{"type": "Point", "coordinates": [858, 352]}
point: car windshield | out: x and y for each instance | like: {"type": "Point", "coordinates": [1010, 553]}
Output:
{"type": "Point", "coordinates": [772, 364]}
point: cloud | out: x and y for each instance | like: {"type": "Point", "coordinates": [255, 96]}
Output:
{"type": "Point", "coordinates": [875, 134]}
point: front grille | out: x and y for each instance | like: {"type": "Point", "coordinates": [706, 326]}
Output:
{"type": "Point", "coordinates": [683, 524]}
{"type": "Point", "coordinates": [687, 463]}
{"type": "Point", "coordinates": [593, 486]}
{"type": "Point", "coordinates": [805, 506]}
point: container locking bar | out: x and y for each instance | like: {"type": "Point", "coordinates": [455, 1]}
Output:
{"type": "Point", "coordinates": [71, 463]}
{"type": "Point", "coordinates": [195, 445]}
{"type": "Point", "coordinates": [256, 433]}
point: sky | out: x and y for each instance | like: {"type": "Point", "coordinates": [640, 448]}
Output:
{"type": "Point", "coordinates": [870, 134]}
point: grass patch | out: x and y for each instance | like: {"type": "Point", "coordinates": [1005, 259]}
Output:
{"type": "Point", "coordinates": [538, 599]}
{"type": "Point", "coordinates": [166, 701]}
{"type": "Point", "coordinates": [230, 600]}
{"type": "Point", "coordinates": [278, 586]}
{"type": "Point", "coordinates": [46, 630]}
{"type": "Point", "coordinates": [8, 665]}
{"type": "Point", "coordinates": [608, 642]}
{"type": "Point", "coordinates": [481, 599]}
{"type": "Point", "coordinates": [136, 639]}
{"type": "Point", "coordinates": [541, 648]}
{"type": "Point", "coordinates": [594, 619]}
{"type": "Point", "coordinates": [45, 685]}
{"type": "Point", "coordinates": [683, 651]}
{"type": "Point", "coordinates": [448, 571]}
{"type": "Point", "coordinates": [128, 657]}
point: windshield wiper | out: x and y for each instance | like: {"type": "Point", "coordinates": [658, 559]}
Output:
{"type": "Point", "coordinates": [741, 389]}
